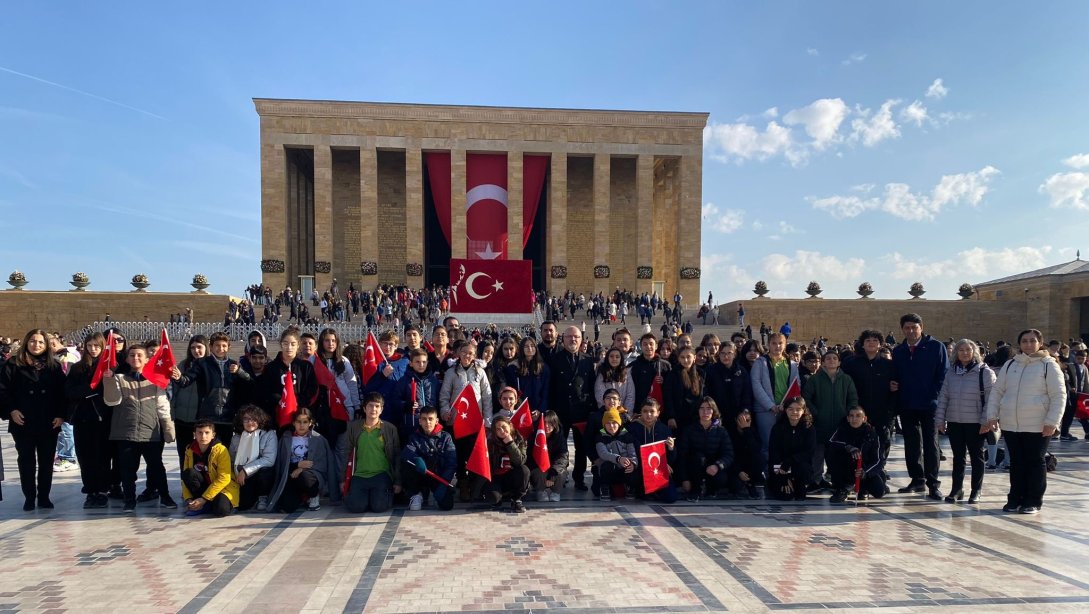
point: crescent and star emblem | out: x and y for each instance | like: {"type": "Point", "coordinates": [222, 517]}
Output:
{"type": "Point", "coordinates": [497, 286]}
{"type": "Point", "coordinates": [652, 464]}
{"type": "Point", "coordinates": [541, 439]}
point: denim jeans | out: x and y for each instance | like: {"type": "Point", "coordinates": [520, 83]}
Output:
{"type": "Point", "coordinates": [66, 443]}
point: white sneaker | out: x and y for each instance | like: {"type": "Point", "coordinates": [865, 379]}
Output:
{"type": "Point", "coordinates": [262, 503]}
{"type": "Point", "coordinates": [64, 465]}
{"type": "Point", "coordinates": [554, 497]}
{"type": "Point", "coordinates": [315, 504]}
{"type": "Point", "coordinates": [415, 502]}
{"type": "Point", "coordinates": [542, 495]}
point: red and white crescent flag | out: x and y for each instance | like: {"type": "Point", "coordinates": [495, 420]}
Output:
{"type": "Point", "coordinates": [1081, 412]}
{"type": "Point", "coordinates": [479, 461]}
{"type": "Point", "coordinates": [107, 361]}
{"type": "Point", "coordinates": [523, 419]}
{"type": "Point", "coordinates": [159, 369]}
{"type": "Point", "coordinates": [467, 416]}
{"type": "Point", "coordinates": [540, 446]}
{"type": "Point", "coordinates": [327, 380]}
{"type": "Point", "coordinates": [288, 403]}
{"type": "Point", "coordinates": [486, 206]}
{"type": "Point", "coordinates": [793, 390]}
{"type": "Point", "coordinates": [655, 468]}
{"type": "Point", "coordinates": [491, 286]}
{"type": "Point", "coordinates": [372, 358]}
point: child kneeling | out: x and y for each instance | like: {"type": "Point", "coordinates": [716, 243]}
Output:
{"type": "Point", "coordinates": [510, 474]}
{"type": "Point", "coordinates": [855, 439]}
{"type": "Point", "coordinates": [207, 482]}
{"type": "Point", "coordinates": [431, 449]}
{"type": "Point", "coordinates": [616, 460]}
{"type": "Point", "coordinates": [305, 467]}
{"type": "Point", "coordinates": [375, 450]}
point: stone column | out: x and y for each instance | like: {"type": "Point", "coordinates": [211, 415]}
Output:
{"type": "Point", "coordinates": [414, 214]}
{"type": "Point", "coordinates": [557, 222]}
{"type": "Point", "coordinates": [644, 206]}
{"type": "Point", "coordinates": [323, 216]}
{"type": "Point", "coordinates": [457, 203]}
{"type": "Point", "coordinates": [514, 204]}
{"type": "Point", "coordinates": [602, 195]}
{"type": "Point", "coordinates": [368, 210]}
{"type": "Point", "coordinates": [274, 235]}
{"type": "Point", "coordinates": [688, 217]}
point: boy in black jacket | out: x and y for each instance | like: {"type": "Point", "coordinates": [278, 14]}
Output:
{"type": "Point", "coordinates": [855, 439]}
{"type": "Point", "coordinates": [429, 448]}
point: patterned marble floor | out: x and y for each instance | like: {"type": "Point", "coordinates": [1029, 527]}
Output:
{"type": "Point", "coordinates": [902, 554]}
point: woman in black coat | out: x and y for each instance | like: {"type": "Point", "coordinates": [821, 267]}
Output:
{"type": "Point", "coordinates": [90, 419]}
{"type": "Point", "coordinates": [790, 451]}
{"type": "Point", "coordinates": [270, 384]}
{"type": "Point", "coordinates": [32, 398]}
{"type": "Point", "coordinates": [705, 453]}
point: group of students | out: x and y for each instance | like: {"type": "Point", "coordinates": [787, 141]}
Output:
{"type": "Point", "coordinates": [734, 422]}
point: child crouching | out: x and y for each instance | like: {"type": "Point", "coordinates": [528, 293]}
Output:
{"type": "Point", "coordinates": [207, 482]}
{"type": "Point", "coordinates": [429, 448]}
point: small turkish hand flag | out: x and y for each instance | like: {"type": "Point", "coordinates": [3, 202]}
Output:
{"type": "Point", "coordinates": [655, 469]}
{"type": "Point", "coordinates": [467, 416]}
{"type": "Point", "coordinates": [107, 361]}
{"type": "Point", "coordinates": [327, 380]}
{"type": "Point", "coordinates": [288, 404]}
{"type": "Point", "coordinates": [349, 471]}
{"type": "Point", "coordinates": [161, 366]}
{"type": "Point", "coordinates": [656, 392]}
{"type": "Point", "coordinates": [523, 420]}
{"type": "Point", "coordinates": [479, 461]}
{"type": "Point", "coordinates": [793, 390]}
{"type": "Point", "coordinates": [372, 358]}
{"type": "Point", "coordinates": [1081, 412]}
{"type": "Point", "coordinates": [540, 447]}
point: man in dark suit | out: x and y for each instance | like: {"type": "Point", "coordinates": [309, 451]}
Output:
{"type": "Point", "coordinates": [571, 395]}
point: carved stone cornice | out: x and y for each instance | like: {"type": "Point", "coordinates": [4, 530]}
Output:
{"type": "Point", "coordinates": [477, 114]}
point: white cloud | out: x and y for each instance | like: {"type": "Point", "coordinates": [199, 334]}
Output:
{"type": "Point", "coordinates": [771, 113]}
{"type": "Point", "coordinates": [738, 142]}
{"type": "Point", "coordinates": [720, 271]}
{"type": "Point", "coordinates": [724, 220]}
{"type": "Point", "coordinates": [757, 225]}
{"type": "Point", "coordinates": [976, 264]}
{"type": "Point", "coordinates": [1068, 190]}
{"type": "Point", "coordinates": [805, 266]}
{"type": "Point", "coordinates": [872, 128]}
{"type": "Point", "coordinates": [898, 200]}
{"type": "Point", "coordinates": [821, 120]}
{"type": "Point", "coordinates": [812, 51]}
{"type": "Point", "coordinates": [865, 188]}
{"type": "Point", "coordinates": [1077, 161]}
{"type": "Point", "coordinates": [937, 90]}
{"type": "Point", "coordinates": [854, 58]}
{"type": "Point", "coordinates": [915, 113]}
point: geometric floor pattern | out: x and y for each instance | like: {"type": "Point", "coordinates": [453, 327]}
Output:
{"type": "Point", "coordinates": [900, 554]}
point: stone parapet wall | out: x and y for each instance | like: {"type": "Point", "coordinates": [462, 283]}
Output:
{"type": "Point", "coordinates": [841, 320]}
{"type": "Point", "coordinates": [23, 310]}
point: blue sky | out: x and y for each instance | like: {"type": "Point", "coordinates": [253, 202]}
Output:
{"type": "Point", "coordinates": [848, 142]}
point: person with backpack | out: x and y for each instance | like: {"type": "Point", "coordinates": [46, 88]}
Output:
{"type": "Point", "coordinates": [962, 407]}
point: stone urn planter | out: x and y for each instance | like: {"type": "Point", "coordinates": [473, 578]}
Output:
{"type": "Point", "coordinates": [865, 290]}
{"type": "Point", "coordinates": [917, 291]}
{"type": "Point", "coordinates": [200, 284]}
{"type": "Point", "coordinates": [966, 291]}
{"type": "Point", "coordinates": [80, 281]}
{"type": "Point", "coordinates": [760, 289]}
{"type": "Point", "coordinates": [17, 280]}
{"type": "Point", "coordinates": [813, 289]}
{"type": "Point", "coordinates": [140, 282]}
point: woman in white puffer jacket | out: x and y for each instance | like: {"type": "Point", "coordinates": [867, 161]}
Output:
{"type": "Point", "coordinates": [1028, 402]}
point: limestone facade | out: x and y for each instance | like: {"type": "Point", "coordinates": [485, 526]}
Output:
{"type": "Point", "coordinates": [624, 190]}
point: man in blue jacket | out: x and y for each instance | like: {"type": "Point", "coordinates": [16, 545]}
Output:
{"type": "Point", "coordinates": [919, 364]}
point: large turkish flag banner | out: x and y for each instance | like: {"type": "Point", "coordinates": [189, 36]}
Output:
{"type": "Point", "coordinates": [491, 286]}
{"type": "Point", "coordinates": [486, 206]}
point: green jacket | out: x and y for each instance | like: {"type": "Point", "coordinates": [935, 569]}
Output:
{"type": "Point", "coordinates": [829, 401]}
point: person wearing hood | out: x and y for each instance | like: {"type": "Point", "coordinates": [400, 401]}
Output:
{"type": "Point", "coordinates": [255, 338]}
{"type": "Point", "coordinates": [855, 439]}
{"type": "Point", "coordinates": [1027, 400]}
{"type": "Point", "coordinates": [919, 364]}
{"type": "Point", "coordinates": [962, 409]}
